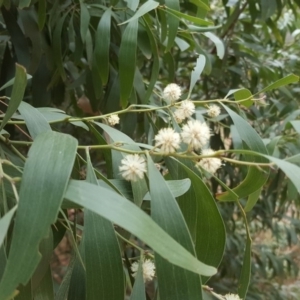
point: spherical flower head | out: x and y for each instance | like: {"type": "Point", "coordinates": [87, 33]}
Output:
{"type": "Point", "coordinates": [210, 164]}
{"type": "Point", "coordinates": [179, 115]}
{"type": "Point", "coordinates": [113, 120]}
{"type": "Point", "coordinates": [148, 270]}
{"type": "Point", "coordinates": [187, 107]}
{"type": "Point", "coordinates": [195, 134]}
{"type": "Point", "coordinates": [167, 140]}
{"type": "Point", "coordinates": [171, 93]}
{"type": "Point", "coordinates": [213, 110]}
{"type": "Point", "coordinates": [232, 297]}
{"type": "Point", "coordinates": [133, 167]}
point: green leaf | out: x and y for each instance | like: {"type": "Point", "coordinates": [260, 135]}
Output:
{"type": "Point", "coordinates": [45, 288]}
{"type": "Point", "coordinates": [24, 3]}
{"type": "Point", "coordinates": [4, 224]}
{"type": "Point", "coordinates": [252, 200]}
{"type": "Point", "coordinates": [172, 21]}
{"type": "Point", "coordinates": [12, 81]}
{"type": "Point", "coordinates": [62, 292]}
{"type": "Point", "coordinates": [195, 76]}
{"type": "Point", "coordinates": [180, 15]}
{"type": "Point", "coordinates": [155, 65]}
{"type": "Point", "coordinates": [281, 82]}
{"type": "Point", "coordinates": [268, 8]}
{"type": "Point", "coordinates": [102, 44]}
{"type": "Point", "coordinates": [200, 4]}
{"type": "Point", "coordinates": [255, 178]}
{"type": "Point", "coordinates": [208, 227]}
{"type": "Point", "coordinates": [166, 213]}
{"type": "Point", "coordinates": [295, 124]}
{"type": "Point", "coordinates": [242, 94]}
{"type": "Point", "coordinates": [292, 171]}
{"type": "Point", "coordinates": [42, 14]}
{"type": "Point", "coordinates": [18, 91]}
{"type": "Point", "coordinates": [182, 44]}
{"type": "Point", "coordinates": [218, 43]}
{"type": "Point", "coordinates": [46, 252]}
{"type": "Point", "coordinates": [57, 49]}
{"type": "Point", "coordinates": [77, 281]}
{"type": "Point", "coordinates": [84, 21]}
{"type": "Point", "coordinates": [127, 61]}
{"type": "Point", "coordinates": [127, 215]}
{"type": "Point", "coordinates": [145, 8]}
{"type": "Point", "coordinates": [104, 269]}
{"type": "Point", "coordinates": [138, 291]}
{"type": "Point", "coordinates": [176, 187]}
{"type": "Point", "coordinates": [46, 174]}
{"type": "Point", "coordinates": [35, 121]}
{"type": "Point", "coordinates": [245, 275]}
{"type": "Point", "coordinates": [132, 4]}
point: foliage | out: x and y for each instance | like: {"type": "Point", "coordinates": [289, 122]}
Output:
{"type": "Point", "coordinates": [78, 65]}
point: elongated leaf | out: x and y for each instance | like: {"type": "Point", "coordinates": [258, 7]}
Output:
{"type": "Point", "coordinates": [138, 291]}
{"type": "Point", "coordinates": [24, 3]}
{"type": "Point", "coordinates": [244, 279]}
{"type": "Point", "coordinates": [281, 82]}
{"type": "Point", "coordinates": [77, 281]}
{"type": "Point", "coordinates": [35, 121]}
{"type": "Point", "coordinates": [103, 261]}
{"type": "Point", "coordinates": [255, 178]}
{"type": "Point", "coordinates": [45, 288]}
{"type": "Point", "coordinates": [42, 14]}
{"type": "Point", "coordinates": [102, 44]}
{"type": "Point", "coordinates": [292, 171]}
{"type": "Point", "coordinates": [132, 4]}
{"type": "Point", "coordinates": [242, 94]}
{"type": "Point", "coordinates": [252, 199]}
{"type": "Point", "coordinates": [155, 65]}
{"type": "Point", "coordinates": [46, 251]}
{"type": "Point", "coordinates": [127, 60]}
{"type": "Point", "coordinates": [200, 4]}
{"type": "Point", "coordinates": [145, 8]}
{"type": "Point", "coordinates": [176, 187]}
{"type": "Point", "coordinates": [218, 43]}
{"type": "Point", "coordinates": [12, 81]}
{"type": "Point", "coordinates": [127, 215]}
{"type": "Point", "coordinates": [195, 76]}
{"type": "Point", "coordinates": [62, 292]}
{"type": "Point", "coordinates": [180, 15]}
{"type": "Point", "coordinates": [46, 174]}
{"type": "Point", "coordinates": [17, 94]}
{"type": "Point", "coordinates": [166, 213]}
{"type": "Point", "coordinates": [84, 21]}
{"type": "Point", "coordinates": [208, 227]}
{"type": "Point", "coordinates": [4, 224]}
{"type": "Point", "coordinates": [172, 21]}
{"type": "Point", "coordinates": [57, 50]}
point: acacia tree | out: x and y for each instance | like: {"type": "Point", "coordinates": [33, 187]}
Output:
{"type": "Point", "coordinates": [106, 114]}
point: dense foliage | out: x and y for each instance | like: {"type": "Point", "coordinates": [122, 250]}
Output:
{"type": "Point", "coordinates": [109, 111]}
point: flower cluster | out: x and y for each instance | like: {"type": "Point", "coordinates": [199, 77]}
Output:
{"type": "Point", "coordinates": [232, 297]}
{"type": "Point", "coordinates": [210, 164]}
{"type": "Point", "coordinates": [133, 167]}
{"type": "Point", "coordinates": [113, 120]}
{"type": "Point", "coordinates": [185, 110]}
{"type": "Point", "coordinates": [213, 110]}
{"type": "Point", "coordinates": [148, 269]}
{"type": "Point", "coordinates": [171, 93]}
{"type": "Point", "coordinates": [195, 134]}
{"type": "Point", "coordinates": [168, 140]}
